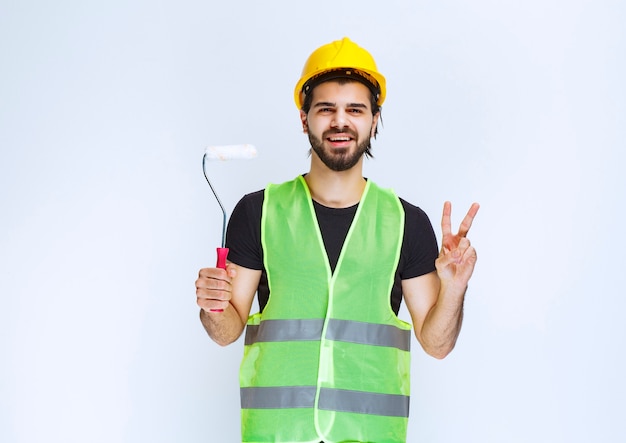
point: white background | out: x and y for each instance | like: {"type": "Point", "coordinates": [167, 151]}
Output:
{"type": "Point", "coordinates": [106, 109]}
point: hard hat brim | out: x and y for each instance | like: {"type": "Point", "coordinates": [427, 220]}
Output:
{"type": "Point", "coordinates": [373, 80]}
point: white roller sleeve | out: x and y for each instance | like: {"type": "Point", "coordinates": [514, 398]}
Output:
{"type": "Point", "coordinates": [230, 152]}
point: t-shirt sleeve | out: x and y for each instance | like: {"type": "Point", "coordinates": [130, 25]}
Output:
{"type": "Point", "coordinates": [420, 249]}
{"type": "Point", "coordinates": [243, 236]}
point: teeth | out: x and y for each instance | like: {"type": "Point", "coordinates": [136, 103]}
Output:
{"type": "Point", "coordinates": [340, 139]}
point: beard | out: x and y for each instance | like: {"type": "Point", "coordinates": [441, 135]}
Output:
{"type": "Point", "coordinates": [338, 159]}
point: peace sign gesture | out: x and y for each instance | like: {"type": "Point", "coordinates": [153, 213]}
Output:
{"type": "Point", "coordinates": [457, 258]}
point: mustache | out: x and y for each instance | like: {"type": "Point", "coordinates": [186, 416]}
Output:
{"type": "Point", "coordinates": [348, 131]}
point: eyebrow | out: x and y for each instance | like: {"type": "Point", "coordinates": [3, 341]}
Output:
{"type": "Point", "coordinates": [332, 105]}
{"type": "Point", "coordinates": [324, 104]}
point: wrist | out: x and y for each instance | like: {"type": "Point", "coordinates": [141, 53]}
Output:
{"type": "Point", "coordinates": [452, 289]}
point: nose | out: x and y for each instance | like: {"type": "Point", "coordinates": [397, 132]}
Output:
{"type": "Point", "coordinates": [340, 119]}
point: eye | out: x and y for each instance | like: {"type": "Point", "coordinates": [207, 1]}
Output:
{"type": "Point", "coordinates": [355, 111]}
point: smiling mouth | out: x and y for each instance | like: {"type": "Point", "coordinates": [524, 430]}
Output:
{"type": "Point", "coordinates": [340, 139]}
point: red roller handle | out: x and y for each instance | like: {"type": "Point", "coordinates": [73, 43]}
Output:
{"type": "Point", "coordinates": [222, 254]}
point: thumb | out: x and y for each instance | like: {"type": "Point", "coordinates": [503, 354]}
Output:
{"type": "Point", "coordinates": [231, 270]}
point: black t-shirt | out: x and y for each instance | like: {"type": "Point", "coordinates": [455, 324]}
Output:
{"type": "Point", "coordinates": [417, 255]}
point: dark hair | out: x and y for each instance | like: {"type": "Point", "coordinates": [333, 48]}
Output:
{"type": "Point", "coordinates": [308, 101]}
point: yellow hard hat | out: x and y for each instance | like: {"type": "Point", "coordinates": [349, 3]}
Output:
{"type": "Point", "coordinates": [341, 58]}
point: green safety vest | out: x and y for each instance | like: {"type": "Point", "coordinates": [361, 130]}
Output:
{"type": "Point", "coordinates": [327, 359]}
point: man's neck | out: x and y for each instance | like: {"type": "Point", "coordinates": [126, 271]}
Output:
{"type": "Point", "coordinates": [336, 189]}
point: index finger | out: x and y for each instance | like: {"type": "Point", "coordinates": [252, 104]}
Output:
{"type": "Point", "coordinates": [446, 224]}
{"type": "Point", "coordinates": [215, 274]}
{"type": "Point", "coordinates": [466, 224]}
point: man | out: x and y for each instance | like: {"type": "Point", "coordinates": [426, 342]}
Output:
{"type": "Point", "coordinates": [331, 256]}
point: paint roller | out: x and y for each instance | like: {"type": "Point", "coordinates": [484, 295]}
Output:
{"type": "Point", "coordinates": [225, 153]}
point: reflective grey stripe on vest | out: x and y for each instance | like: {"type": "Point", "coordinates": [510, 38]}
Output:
{"type": "Point", "coordinates": [278, 397]}
{"type": "Point", "coordinates": [364, 402]}
{"type": "Point", "coordinates": [330, 399]}
{"type": "Point", "coordinates": [369, 334]}
{"type": "Point", "coordinates": [284, 330]}
{"type": "Point", "coordinates": [340, 330]}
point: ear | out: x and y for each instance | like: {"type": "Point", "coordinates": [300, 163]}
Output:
{"type": "Point", "coordinates": [305, 126]}
{"type": "Point", "coordinates": [374, 125]}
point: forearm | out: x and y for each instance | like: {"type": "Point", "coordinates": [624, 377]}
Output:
{"type": "Point", "coordinates": [441, 316]}
{"type": "Point", "coordinates": [223, 327]}
{"type": "Point", "coordinates": [443, 323]}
